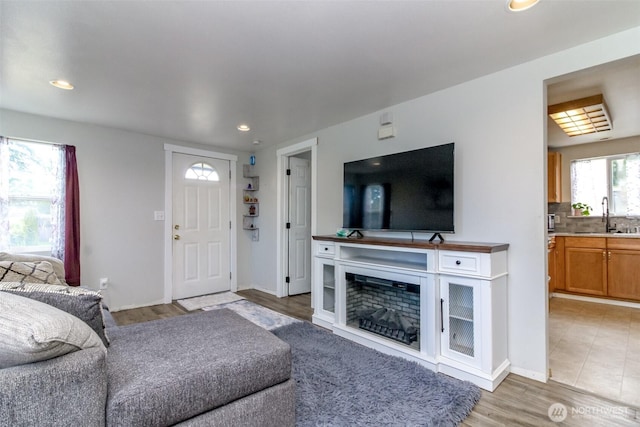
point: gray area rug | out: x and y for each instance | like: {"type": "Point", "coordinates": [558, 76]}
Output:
{"type": "Point", "coordinates": [341, 383]}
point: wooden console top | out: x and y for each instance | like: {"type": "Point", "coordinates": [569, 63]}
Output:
{"type": "Point", "coordinates": [421, 244]}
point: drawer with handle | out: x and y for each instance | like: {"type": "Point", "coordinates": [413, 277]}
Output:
{"type": "Point", "coordinates": [459, 262]}
{"type": "Point", "coordinates": [325, 249]}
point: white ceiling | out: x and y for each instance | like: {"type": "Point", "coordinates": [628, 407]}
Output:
{"type": "Point", "coordinates": [194, 70]}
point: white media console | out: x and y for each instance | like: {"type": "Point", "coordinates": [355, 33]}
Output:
{"type": "Point", "coordinates": [443, 305]}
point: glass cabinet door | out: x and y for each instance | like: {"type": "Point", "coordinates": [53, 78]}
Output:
{"type": "Point", "coordinates": [324, 290]}
{"type": "Point", "coordinates": [460, 319]}
{"type": "Point", "coordinates": [328, 287]}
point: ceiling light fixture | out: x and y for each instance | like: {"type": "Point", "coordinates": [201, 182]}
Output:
{"type": "Point", "coordinates": [520, 5]}
{"type": "Point", "coordinates": [582, 116]}
{"type": "Point", "coordinates": [257, 142]}
{"type": "Point", "coordinates": [61, 84]}
{"type": "Point", "coordinates": [244, 128]}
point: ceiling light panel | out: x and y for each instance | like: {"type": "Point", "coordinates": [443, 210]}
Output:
{"type": "Point", "coordinates": [581, 116]}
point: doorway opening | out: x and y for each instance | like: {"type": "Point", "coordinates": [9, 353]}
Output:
{"type": "Point", "coordinates": [592, 338]}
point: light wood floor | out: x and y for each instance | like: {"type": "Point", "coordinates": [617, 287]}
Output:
{"type": "Point", "coordinates": [518, 401]}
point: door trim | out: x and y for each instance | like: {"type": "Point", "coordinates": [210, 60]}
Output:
{"type": "Point", "coordinates": [282, 154]}
{"type": "Point", "coordinates": [169, 150]}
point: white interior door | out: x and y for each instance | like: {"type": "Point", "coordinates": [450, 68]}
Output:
{"type": "Point", "coordinates": [300, 230]}
{"type": "Point", "coordinates": [201, 233]}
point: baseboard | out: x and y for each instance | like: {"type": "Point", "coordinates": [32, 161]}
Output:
{"type": "Point", "coordinates": [131, 307]}
{"type": "Point", "coordinates": [537, 376]}
{"type": "Point", "coordinates": [596, 300]}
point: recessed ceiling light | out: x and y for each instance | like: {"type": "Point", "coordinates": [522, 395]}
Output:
{"type": "Point", "coordinates": [61, 84]}
{"type": "Point", "coordinates": [520, 5]}
{"type": "Point", "coordinates": [244, 128]}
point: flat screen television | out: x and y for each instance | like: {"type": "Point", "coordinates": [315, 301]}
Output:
{"type": "Point", "coordinates": [408, 191]}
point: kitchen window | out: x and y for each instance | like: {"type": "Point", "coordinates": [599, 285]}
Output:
{"type": "Point", "coordinates": [616, 177]}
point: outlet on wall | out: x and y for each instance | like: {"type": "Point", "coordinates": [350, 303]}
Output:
{"type": "Point", "coordinates": [104, 283]}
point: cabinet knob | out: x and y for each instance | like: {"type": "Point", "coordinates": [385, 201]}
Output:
{"type": "Point", "coordinates": [458, 262]}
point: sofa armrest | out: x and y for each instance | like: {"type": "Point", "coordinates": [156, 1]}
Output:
{"type": "Point", "coordinates": [67, 390]}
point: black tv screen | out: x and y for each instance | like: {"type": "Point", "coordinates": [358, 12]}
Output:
{"type": "Point", "coordinates": [409, 191]}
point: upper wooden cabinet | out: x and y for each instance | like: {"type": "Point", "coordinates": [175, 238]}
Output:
{"type": "Point", "coordinates": [554, 179]}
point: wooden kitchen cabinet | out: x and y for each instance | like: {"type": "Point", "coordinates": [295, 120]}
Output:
{"type": "Point", "coordinates": [558, 251]}
{"type": "Point", "coordinates": [598, 266]}
{"type": "Point", "coordinates": [553, 276]}
{"type": "Point", "coordinates": [554, 177]}
{"type": "Point", "coordinates": [623, 257]}
{"type": "Point", "coordinates": [585, 265]}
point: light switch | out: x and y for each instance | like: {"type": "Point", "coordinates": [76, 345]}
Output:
{"type": "Point", "coordinates": [158, 215]}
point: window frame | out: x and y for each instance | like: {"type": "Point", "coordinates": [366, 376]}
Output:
{"type": "Point", "coordinates": [36, 197]}
{"type": "Point", "coordinates": [609, 159]}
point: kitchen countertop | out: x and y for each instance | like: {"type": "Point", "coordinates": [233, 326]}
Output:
{"type": "Point", "coordinates": [589, 234]}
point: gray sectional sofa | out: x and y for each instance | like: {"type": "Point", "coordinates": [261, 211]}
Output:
{"type": "Point", "coordinates": [211, 368]}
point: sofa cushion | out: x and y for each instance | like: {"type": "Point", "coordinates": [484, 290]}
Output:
{"type": "Point", "coordinates": [58, 265]}
{"type": "Point", "coordinates": [31, 331]}
{"type": "Point", "coordinates": [165, 371]}
{"type": "Point", "coordinates": [83, 303]}
{"type": "Point", "coordinates": [28, 272]}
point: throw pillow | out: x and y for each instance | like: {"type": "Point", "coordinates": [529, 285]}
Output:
{"type": "Point", "coordinates": [32, 331]}
{"type": "Point", "coordinates": [28, 272]}
{"type": "Point", "coordinates": [83, 303]}
{"type": "Point", "coordinates": [58, 265]}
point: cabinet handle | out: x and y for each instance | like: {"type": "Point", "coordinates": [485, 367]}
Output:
{"type": "Point", "coordinates": [441, 315]}
{"type": "Point", "coordinates": [609, 255]}
{"type": "Point", "coordinates": [604, 255]}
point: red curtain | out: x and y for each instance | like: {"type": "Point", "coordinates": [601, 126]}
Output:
{"type": "Point", "coordinates": [72, 219]}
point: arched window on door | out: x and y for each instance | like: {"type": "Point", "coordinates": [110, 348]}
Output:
{"type": "Point", "coordinates": [202, 172]}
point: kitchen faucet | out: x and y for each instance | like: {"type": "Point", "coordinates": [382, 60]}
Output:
{"type": "Point", "coordinates": [605, 215]}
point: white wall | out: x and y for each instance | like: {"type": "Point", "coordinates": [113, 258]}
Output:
{"type": "Point", "coordinates": [498, 123]}
{"type": "Point", "coordinates": [121, 185]}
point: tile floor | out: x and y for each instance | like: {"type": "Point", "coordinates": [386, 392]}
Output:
{"type": "Point", "coordinates": [596, 347]}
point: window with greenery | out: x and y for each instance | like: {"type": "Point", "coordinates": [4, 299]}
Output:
{"type": "Point", "coordinates": [29, 185]}
{"type": "Point", "coordinates": [616, 177]}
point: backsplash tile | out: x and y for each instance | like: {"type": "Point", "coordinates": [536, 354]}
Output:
{"type": "Point", "coordinates": [587, 224]}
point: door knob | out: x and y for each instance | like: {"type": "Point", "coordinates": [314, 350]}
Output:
{"type": "Point", "coordinates": [177, 227]}
{"type": "Point", "coordinates": [176, 237]}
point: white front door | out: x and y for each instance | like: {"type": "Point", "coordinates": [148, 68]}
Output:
{"type": "Point", "coordinates": [201, 233]}
{"type": "Point", "coordinates": [300, 229]}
